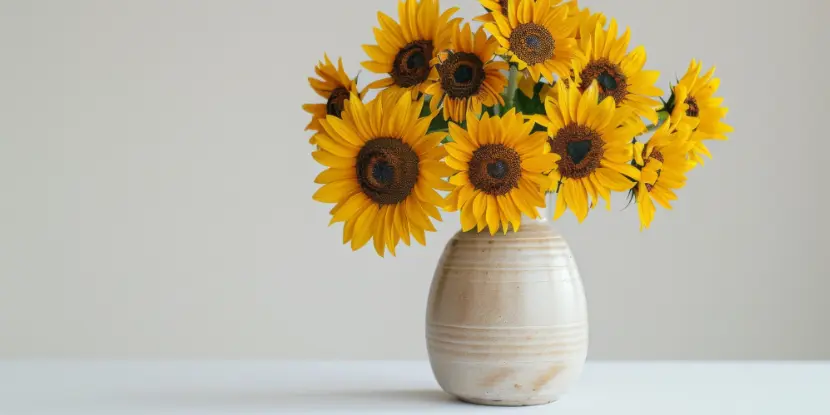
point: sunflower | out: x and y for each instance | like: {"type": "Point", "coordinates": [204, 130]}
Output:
{"type": "Point", "coordinates": [467, 77]}
{"type": "Point", "coordinates": [500, 165]}
{"type": "Point", "coordinates": [535, 36]}
{"type": "Point", "coordinates": [594, 142]}
{"type": "Point", "coordinates": [406, 51]}
{"type": "Point", "coordinates": [693, 97]}
{"type": "Point", "coordinates": [619, 74]}
{"type": "Point", "coordinates": [382, 170]}
{"type": "Point", "coordinates": [664, 165]}
{"type": "Point", "coordinates": [335, 87]}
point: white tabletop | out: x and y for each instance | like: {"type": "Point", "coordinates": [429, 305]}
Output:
{"type": "Point", "coordinates": [268, 387]}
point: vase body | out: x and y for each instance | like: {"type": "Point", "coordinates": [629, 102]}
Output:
{"type": "Point", "coordinates": [506, 317]}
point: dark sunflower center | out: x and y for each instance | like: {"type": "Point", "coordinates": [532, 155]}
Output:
{"type": "Point", "coordinates": [610, 79]}
{"type": "Point", "coordinates": [580, 149]}
{"type": "Point", "coordinates": [336, 101]}
{"type": "Point", "coordinates": [462, 74]}
{"type": "Point", "coordinates": [657, 155]}
{"type": "Point", "coordinates": [383, 172]}
{"type": "Point", "coordinates": [411, 65]}
{"type": "Point", "coordinates": [693, 110]}
{"type": "Point", "coordinates": [387, 170]}
{"type": "Point", "coordinates": [531, 43]}
{"type": "Point", "coordinates": [495, 169]}
{"type": "Point", "coordinates": [503, 5]}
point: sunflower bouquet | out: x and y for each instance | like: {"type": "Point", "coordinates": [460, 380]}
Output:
{"type": "Point", "coordinates": [542, 98]}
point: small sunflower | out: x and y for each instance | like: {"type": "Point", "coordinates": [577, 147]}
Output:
{"type": "Point", "coordinates": [619, 74]}
{"type": "Point", "coordinates": [694, 98]}
{"type": "Point", "coordinates": [467, 77]}
{"type": "Point", "coordinates": [664, 165]}
{"type": "Point", "coordinates": [535, 36]}
{"type": "Point", "coordinates": [501, 165]}
{"type": "Point", "coordinates": [594, 142]}
{"type": "Point", "coordinates": [335, 87]}
{"type": "Point", "coordinates": [406, 51]}
{"type": "Point", "coordinates": [382, 170]}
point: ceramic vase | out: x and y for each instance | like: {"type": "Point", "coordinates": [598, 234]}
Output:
{"type": "Point", "coordinates": [506, 319]}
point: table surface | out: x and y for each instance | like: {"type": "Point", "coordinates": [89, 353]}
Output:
{"type": "Point", "coordinates": [390, 387]}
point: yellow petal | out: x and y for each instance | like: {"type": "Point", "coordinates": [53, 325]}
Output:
{"type": "Point", "coordinates": [330, 160]}
{"type": "Point", "coordinates": [336, 191]}
{"type": "Point", "coordinates": [351, 207]}
{"type": "Point", "coordinates": [364, 228]}
{"type": "Point", "coordinates": [334, 175]}
{"type": "Point", "coordinates": [492, 212]}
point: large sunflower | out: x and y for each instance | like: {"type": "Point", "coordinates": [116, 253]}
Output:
{"type": "Point", "coordinates": [664, 165]}
{"type": "Point", "coordinates": [594, 141]}
{"type": "Point", "coordinates": [500, 165]}
{"type": "Point", "coordinates": [383, 168]}
{"type": "Point", "coordinates": [536, 36]}
{"type": "Point", "coordinates": [467, 77]}
{"type": "Point", "coordinates": [335, 87]}
{"type": "Point", "coordinates": [406, 51]}
{"type": "Point", "coordinates": [619, 74]}
{"type": "Point", "coordinates": [694, 98]}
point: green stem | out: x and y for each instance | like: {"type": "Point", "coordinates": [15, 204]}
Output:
{"type": "Point", "coordinates": [662, 116]}
{"type": "Point", "coordinates": [512, 86]}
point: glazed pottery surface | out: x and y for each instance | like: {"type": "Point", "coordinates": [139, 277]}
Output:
{"type": "Point", "coordinates": [506, 319]}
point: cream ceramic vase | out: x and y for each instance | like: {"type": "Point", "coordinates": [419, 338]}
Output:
{"type": "Point", "coordinates": [506, 319]}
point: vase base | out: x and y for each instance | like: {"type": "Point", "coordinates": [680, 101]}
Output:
{"type": "Point", "coordinates": [506, 402]}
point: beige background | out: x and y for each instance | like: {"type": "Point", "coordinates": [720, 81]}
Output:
{"type": "Point", "coordinates": [155, 190]}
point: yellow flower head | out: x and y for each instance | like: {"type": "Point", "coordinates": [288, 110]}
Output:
{"type": "Point", "coordinates": [407, 50]}
{"type": "Point", "coordinates": [664, 165]}
{"type": "Point", "coordinates": [382, 171]}
{"type": "Point", "coordinates": [467, 77]}
{"type": "Point", "coordinates": [618, 74]}
{"type": "Point", "coordinates": [335, 87]}
{"type": "Point", "coordinates": [501, 165]}
{"type": "Point", "coordinates": [594, 142]}
{"type": "Point", "coordinates": [694, 98]}
{"type": "Point", "coordinates": [536, 36]}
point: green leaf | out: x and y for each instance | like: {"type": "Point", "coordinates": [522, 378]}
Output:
{"type": "Point", "coordinates": [530, 106]}
{"type": "Point", "coordinates": [438, 124]}
{"type": "Point", "coordinates": [425, 108]}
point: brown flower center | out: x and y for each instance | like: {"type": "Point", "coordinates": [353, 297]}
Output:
{"type": "Point", "coordinates": [531, 43]}
{"type": "Point", "coordinates": [610, 79]}
{"type": "Point", "coordinates": [387, 170]}
{"type": "Point", "coordinates": [411, 66]}
{"type": "Point", "coordinates": [580, 149]}
{"type": "Point", "coordinates": [657, 155]}
{"type": "Point", "coordinates": [336, 101]}
{"type": "Point", "coordinates": [693, 110]}
{"type": "Point", "coordinates": [503, 5]}
{"type": "Point", "coordinates": [461, 74]}
{"type": "Point", "coordinates": [495, 169]}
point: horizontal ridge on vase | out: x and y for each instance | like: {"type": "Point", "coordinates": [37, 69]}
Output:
{"type": "Point", "coordinates": [507, 320]}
